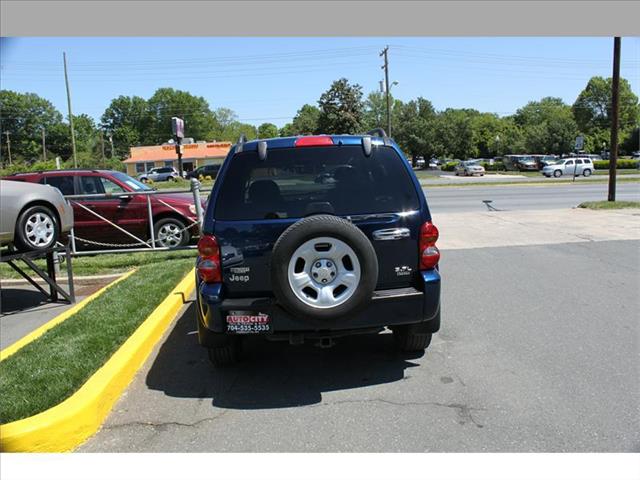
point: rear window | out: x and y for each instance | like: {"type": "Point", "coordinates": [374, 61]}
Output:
{"type": "Point", "coordinates": [296, 182]}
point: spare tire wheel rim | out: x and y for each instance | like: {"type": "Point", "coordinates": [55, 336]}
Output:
{"type": "Point", "coordinates": [324, 272]}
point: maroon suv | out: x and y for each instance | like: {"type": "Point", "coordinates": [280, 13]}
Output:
{"type": "Point", "coordinates": [174, 214]}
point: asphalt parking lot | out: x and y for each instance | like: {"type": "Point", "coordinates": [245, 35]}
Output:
{"type": "Point", "coordinates": [538, 352]}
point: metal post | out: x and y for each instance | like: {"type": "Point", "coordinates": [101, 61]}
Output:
{"type": "Point", "coordinates": [72, 235]}
{"type": "Point", "coordinates": [195, 188]}
{"type": "Point", "coordinates": [56, 262]}
{"type": "Point", "coordinates": [51, 271]}
{"type": "Point", "coordinates": [72, 290]}
{"type": "Point", "coordinates": [151, 226]}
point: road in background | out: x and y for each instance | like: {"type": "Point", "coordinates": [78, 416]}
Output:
{"type": "Point", "coordinates": [522, 197]}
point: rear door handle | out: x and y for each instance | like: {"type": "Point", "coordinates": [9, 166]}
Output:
{"type": "Point", "coordinates": [391, 234]}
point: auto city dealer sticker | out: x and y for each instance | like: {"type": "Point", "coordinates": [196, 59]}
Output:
{"type": "Point", "coordinates": [247, 322]}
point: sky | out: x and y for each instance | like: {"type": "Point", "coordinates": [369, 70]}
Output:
{"type": "Point", "coordinates": [269, 79]}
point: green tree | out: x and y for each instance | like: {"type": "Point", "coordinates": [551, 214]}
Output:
{"type": "Point", "coordinates": [126, 119]}
{"type": "Point", "coordinates": [287, 130]}
{"type": "Point", "coordinates": [199, 121]}
{"type": "Point", "coordinates": [454, 133]}
{"type": "Point", "coordinates": [24, 115]}
{"type": "Point", "coordinates": [548, 126]}
{"type": "Point", "coordinates": [305, 122]}
{"type": "Point", "coordinates": [341, 108]}
{"type": "Point", "coordinates": [267, 130]}
{"type": "Point", "coordinates": [232, 132]}
{"type": "Point", "coordinates": [413, 125]}
{"type": "Point", "coordinates": [592, 108]}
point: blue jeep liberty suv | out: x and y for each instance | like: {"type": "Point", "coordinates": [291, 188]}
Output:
{"type": "Point", "coordinates": [316, 237]}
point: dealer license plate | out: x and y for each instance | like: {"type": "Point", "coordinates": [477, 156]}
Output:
{"type": "Point", "coordinates": [247, 322]}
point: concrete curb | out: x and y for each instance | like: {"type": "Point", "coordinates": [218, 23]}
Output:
{"type": "Point", "coordinates": [11, 349]}
{"type": "Point", "coordinates": [70, 423]}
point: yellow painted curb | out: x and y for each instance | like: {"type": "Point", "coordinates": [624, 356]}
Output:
{"type": "Point", "coordinates": [68, 424]}
{"type": "Point", "coordinates": [11, 349]}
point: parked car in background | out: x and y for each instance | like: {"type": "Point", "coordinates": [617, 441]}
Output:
{"type": "Point", "coordinates": [434, 163]}
{"type": "Point", "coordinates": [520, 162]}
{"type": "Point", "coordinates": [544, 160]}
{"type": "Point", "coordinates": [569, 166]}
{"type": "Point", "coordinates": [161, 174]}
{"type": "Point", "coordinates": [469, 167]}
{"type": "Point", "coordinates": [420, 162]}
{"type": "Point", "coordinates": [32, 217]}
{"type": "Point", "coordinates": [205, 171]}
{"type": "Point", "coordinates": [174, 214]}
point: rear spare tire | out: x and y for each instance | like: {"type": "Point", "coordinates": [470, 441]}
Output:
{"type": "Point", "coordinates": [323, 267]}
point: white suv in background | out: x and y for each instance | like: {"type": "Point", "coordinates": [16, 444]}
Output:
{"type": "Point", "coordinates": [569, 166]}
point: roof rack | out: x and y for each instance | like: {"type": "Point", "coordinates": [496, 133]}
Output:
{"type": "Point", "coordinates": [378, 132]}
{"type": "Point", "coordinates": [241, 141]}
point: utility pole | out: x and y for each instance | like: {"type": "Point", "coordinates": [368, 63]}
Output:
{"type": "Point", "coordinates": [7, 133]}
{"type": "Point", "coordinates": [111, 142]}
{"type": "Point", "coordinates": [102, 146]}
{"type": "Point", "coordinates": [613, 147]}
{"type": "Point", "coordinates": [44, 146]}
{"type": "Point", "coordinates": [73, 135]}
{"type": "Point", "coordinates": [385, 67]}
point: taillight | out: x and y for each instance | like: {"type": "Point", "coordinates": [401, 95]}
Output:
{"type": "Point", "coordinates": [429, 253]}
{"type": "Point", "coordinates": [317, 141]}
{"type": "Point", "coordinates": [209, 268]}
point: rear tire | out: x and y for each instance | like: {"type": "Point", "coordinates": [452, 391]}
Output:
{"type": "Point", "coordinates": [409, 338]}
{"type": "Point", "coordinates": [586, 172]}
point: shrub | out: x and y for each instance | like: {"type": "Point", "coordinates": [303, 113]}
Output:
{"type": "Point", "coordinates": [449, 166]}
{"type": "Point", "coordinates": [621, 164]}
{"type": "Point", "coordinates": [496, 167]}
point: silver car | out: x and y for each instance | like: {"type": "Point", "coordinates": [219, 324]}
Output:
{"type": "Point", "coordinates": [469, 168]}
{"type": "Point", "coordinates": [569, 166]}
{"type": "Point", "coordinates": [32, 216]}
{"type": "Point", "coordinates": [160, 174]}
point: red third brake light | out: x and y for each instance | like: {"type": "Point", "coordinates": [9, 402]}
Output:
{"type": "Point", "coordinates": [209, 268]}
{"type": "Point", "coordinates": [429, 253]}
{"type": "Point", "coordinates": [317, 141]}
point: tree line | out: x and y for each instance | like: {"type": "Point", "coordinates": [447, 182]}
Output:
{"type": "Point", "coordinates": [547, 125]}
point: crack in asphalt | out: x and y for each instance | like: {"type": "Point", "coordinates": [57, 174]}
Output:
{"type": "Point", "coordinates": [464, 411]}
{"type": "Point", "coordinates": [163, 425]}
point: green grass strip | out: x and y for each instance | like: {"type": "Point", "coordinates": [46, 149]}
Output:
{"type": "Point", "coordinates": [605, 205]}
{"type": "Point", "coordinates": [51, 368]}
{"type": "Point", "coordinates": [108, 263]}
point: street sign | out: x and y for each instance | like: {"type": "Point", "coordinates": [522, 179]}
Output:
{"type": "Point", "coordinates": [177, 126]}
{"type": "Point", "coordinates": [579, 143]}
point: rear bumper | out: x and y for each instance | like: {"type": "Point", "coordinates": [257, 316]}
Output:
{"type": "Point", "coordinates": [387, 307]}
